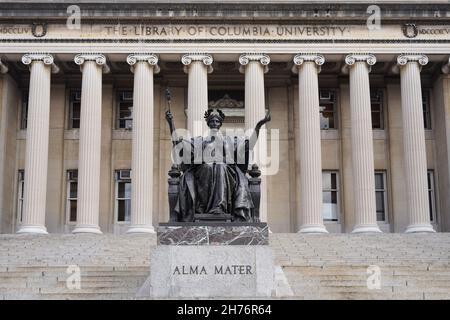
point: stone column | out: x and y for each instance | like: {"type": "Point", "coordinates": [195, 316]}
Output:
{"type": "Point", "coordinates": [197, 66]}
{"type": "Point", "coordinates": [36, 151]}
{"type": "Point", "coordinates": [143, 66]}
{"type": "Point", "coordinates": [3, 67]}
{"type": "Point", "coordinates": [446, 67]}
{"type": "Point", "coordinates": [89, 155]}
{"type": "Point", "coordinates": [308, 143]}
{"type": "Point", "coordinates": [254, 66]}
{"type": "Point", "coordinates": [362, 143]}
{"type": "Point", "coordinates": [414, 143]}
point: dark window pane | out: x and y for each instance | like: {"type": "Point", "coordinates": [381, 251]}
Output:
{"type": "Point", "coordinates": [73, 189]}
{"type": "Point", "coordinates": [379, 196]}
{"type": "Point", "coordinates": [125, 113]}
{"type": "Point", "coordinates": [375, 107]}
{"type": "Point", "coordinates": [76, 110]}
{"type": "Point", "coordinates": [334, 181]}
{"type": "Point", "coordinates": [124, 190]}
{"type": "Point", "coordinates": [21, 211]}
{"type": "Point", "coordinates": [121, 210]}
{"type": "Point", "coordinates": [381, 216]}
{"type": "Point", "coordinates": [121, 191]}
{"type": "Point", "coordinates": [376, 120]}
{"type": "Point", "coordinates": [73, 210]}
{"type": "Point", "coordinates": [426, 109]}
{"type": "Point", "coordinates": [327, 107]}
{"type": "Point", "coordinates": [429, 181]}
{"type": "Point", "coordinates": [430, 204]}
{"type": "Point", "coordinates": [379, 182]}
{"type": "Point", "coordinates": [24, 110]}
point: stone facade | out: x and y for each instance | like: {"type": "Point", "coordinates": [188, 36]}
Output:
{"type": "Point", "coordinates": [285, 94]}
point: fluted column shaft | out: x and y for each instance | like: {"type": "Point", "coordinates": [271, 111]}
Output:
{"type": "Point", "coordinates": [254, 66]}
{"type": "Point", "coordinates": [197, 66]}
{"type": "Point", "coordinates": [362, 144]}
{"type": "Point", "coordinates": [142, 144]}
{"type": "Point", "coordinates": [90, 144]}
{"type": "Point", "coordinates": [36, 153]}
{"type": "Point", "coordinates": [309, 144]}
{"type": "Point", "coordinates": [414, 143]}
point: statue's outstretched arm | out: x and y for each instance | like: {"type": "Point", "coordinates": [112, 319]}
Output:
{"type": "Point", "coordinates": [173, 133]}
{"type": "Point", "coordinates": [258, 126]}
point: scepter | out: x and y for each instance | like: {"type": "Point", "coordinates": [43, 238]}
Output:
{"type": "Point", "coordinates": [168, 98]}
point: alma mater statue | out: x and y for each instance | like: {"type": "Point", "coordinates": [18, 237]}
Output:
{"type": "Point", "coordinates": [213, 185]}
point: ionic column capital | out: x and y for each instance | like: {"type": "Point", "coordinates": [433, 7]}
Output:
{"type": "Point", "coordinates": [207, 60]}
{"type": "Point", "coordinates": [301, 58]}
{"type": "Point", "coordinates": [244, 59]}
{"type": "Point", "coordinates": [403, 59]}
{"type": "Point", "coordinates": [352, 58]}
{"type": "Point", "coordinates": [3, 67]}
{"type": "Point", "coordinates": [446, 67]}
{"type": "Point", "coordinates": [150, 58]}
{"type": "Point", "coordinates": [98, 58]}
{"type": "Point", "coordinates": [46, 58]}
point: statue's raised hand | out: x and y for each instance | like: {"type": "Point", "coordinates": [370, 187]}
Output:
{"type": "Point", "coordinates": [268, 117]}
{"type": "Point", "coordinates": [263, 121]}
{"type": "Point", "coordinates": [169, 116]}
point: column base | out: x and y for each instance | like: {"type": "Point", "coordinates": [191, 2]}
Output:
{"type": "Point", "coordinates": [366, 229]}
{"type": "Point", "coordinates": [32, 229]}
{"type": "Point", "coordinates": [87, 229]}
{"type": "Point", "coordinates": [313, 228]}
{"type": "Point", "coordinates": [419, 228]}
{"type": "Point", "coordinates": [141, 228]}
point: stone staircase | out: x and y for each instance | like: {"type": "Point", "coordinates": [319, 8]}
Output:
{"type": "Point", "coordinates": [332, 266]}
{"type": "Point", "coordinates": [410, 266]}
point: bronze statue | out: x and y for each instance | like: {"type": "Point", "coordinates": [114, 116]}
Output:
{"type": "Point", "coordinates": [214, 186]}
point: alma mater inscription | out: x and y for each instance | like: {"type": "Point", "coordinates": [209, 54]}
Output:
{"type": "Point", "coordinates": [216, 269]}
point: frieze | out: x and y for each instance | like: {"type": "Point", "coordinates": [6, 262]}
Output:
{"type": "Point", "coordinates": [238, 32]}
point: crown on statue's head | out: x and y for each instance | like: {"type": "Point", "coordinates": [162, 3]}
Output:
{"type": "Point", "coordinates": [214, 113]}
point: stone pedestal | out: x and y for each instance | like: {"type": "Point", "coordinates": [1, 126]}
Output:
{"type": "Point", "coordinates": [213, 234]}
{"type": "Point", "coordinates": [211, 261]}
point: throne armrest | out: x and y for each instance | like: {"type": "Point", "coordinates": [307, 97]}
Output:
{"type": "Point", "coordinates": [254, 185]}
{"type": "Point", "coordinates": [174, 183]}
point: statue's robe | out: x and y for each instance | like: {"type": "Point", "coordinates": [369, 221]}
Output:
{"type": "Point", "coordinates": [213, 181]}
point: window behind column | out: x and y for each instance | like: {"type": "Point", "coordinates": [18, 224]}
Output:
{"type": "Point", "coordinates": [124, 112]}
{"type": "Point", "coordinates": [330, 196]}
{"type": "Point", "coordinates": [328, 106]}
{"type": "Point", "coordinates": [426, 104]}
{"type": "Point", "coordinates": [123, 195]}
{"type": "Point", "coordinates": [24, 110]}
{"type": "Point", "coordinates": [381, 195]}
{"type": "Point", "coordinates": [432, 195]}
{"type": "Point", "coordinates": [20, 194]}
{"type": "Point", "coordinates": [72, 196]}
{"type": "Point", "coordinates": [376, 108]}
{"type": "Point", "coordinates": [74, 109]}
